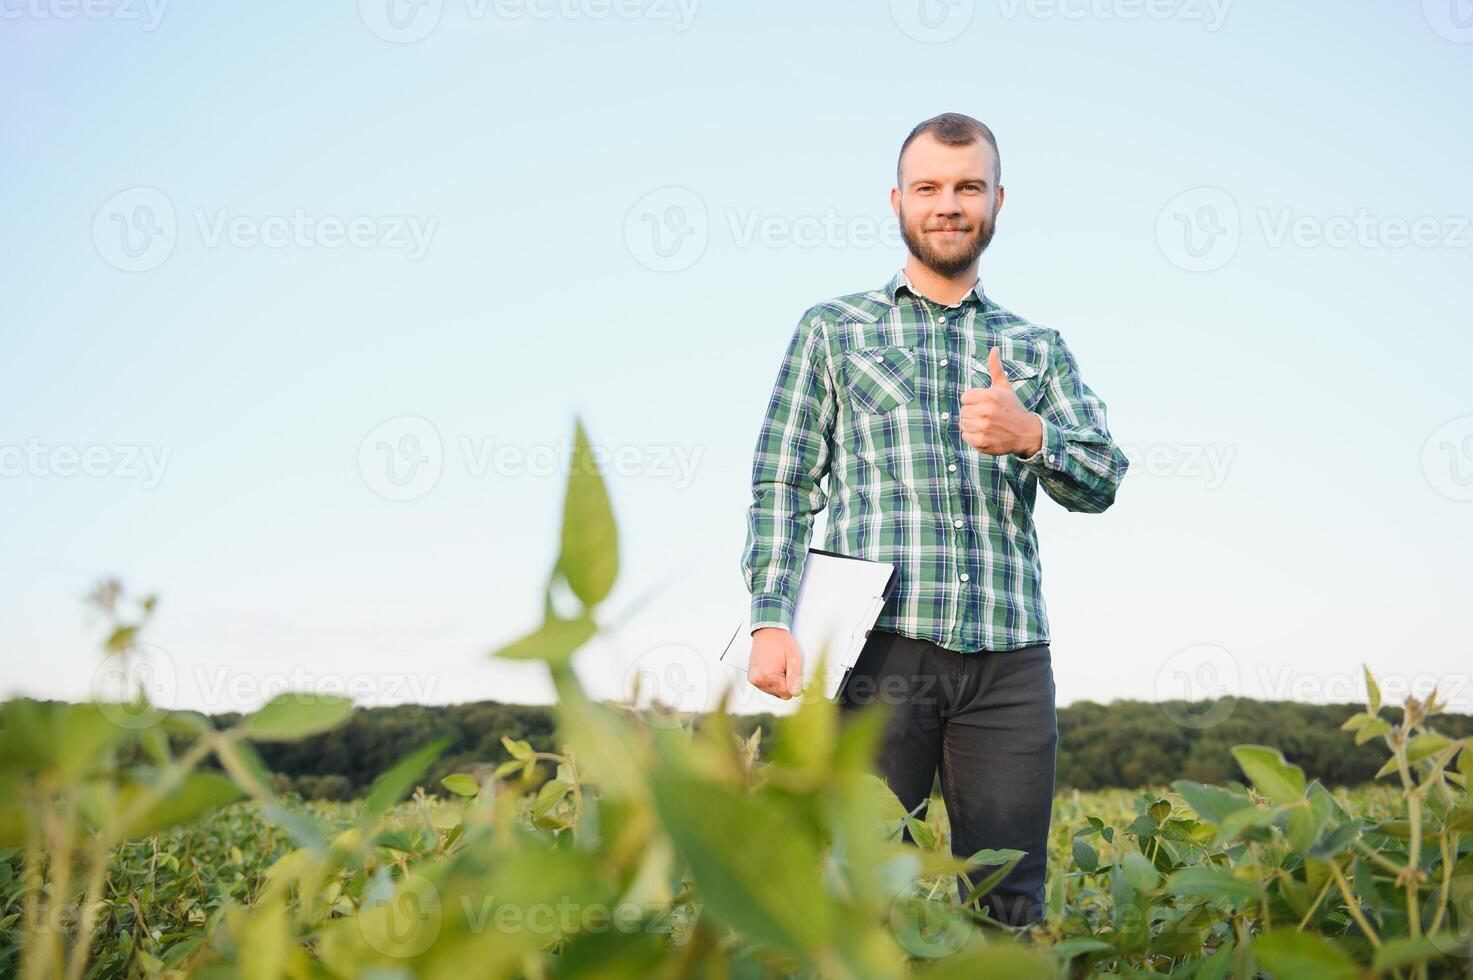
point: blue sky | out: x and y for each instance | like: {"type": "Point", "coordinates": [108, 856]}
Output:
{"type": "Point", "coordinates": [247, 248]}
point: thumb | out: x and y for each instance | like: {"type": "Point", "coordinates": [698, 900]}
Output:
{"type": "Point", "coordinates": [795, 673]}
{"type": "Point", "coordinates": [994, 367]}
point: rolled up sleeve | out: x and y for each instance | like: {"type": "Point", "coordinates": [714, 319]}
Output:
{"type": "Point", "coordinates": [1078, 464]}
{"type": "Point", "coordinates": [789, 465]}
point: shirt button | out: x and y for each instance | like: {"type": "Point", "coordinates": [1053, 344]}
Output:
{"type": "Point", "coordinates": [943, 362]}
{"type": "Point", "coordinates": [957, 522]}
{"type": "Point", "coordinates": [945, 416]}
{"type": "Point", "coordinates": [1052, 458]}
{"type": "Point", "coordinates": [952, 468]}
{"type": "Point", "coordinates": [941, 319]}
{"type": "Point", "coordinates": [879, 357]}
{"type": "Point", "coordinates": [964, 576]}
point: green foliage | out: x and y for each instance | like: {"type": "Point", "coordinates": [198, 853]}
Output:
{"type": "Point", "coordinates": [619, 843]}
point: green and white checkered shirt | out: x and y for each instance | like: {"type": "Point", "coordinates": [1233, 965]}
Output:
{"type": "Point", "coordinates": [868, 395]}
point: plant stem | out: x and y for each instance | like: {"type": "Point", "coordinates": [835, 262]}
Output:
{"type": "Point", "coordinates": [1447, 878]}
{"type": "Point", "coordinates": [1414, 842]}
{"type": "Point", "coordinates": [35, 952]}
{"type": "Point", "coordinates": [82, 947]}
{"type": "Point", "coordinates": [1353, 906]}
{"type": "Point", "coordinates": [1324, 890]}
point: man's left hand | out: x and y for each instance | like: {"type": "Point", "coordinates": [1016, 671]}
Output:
{"type": "Point", "coordinates": [992, 419]}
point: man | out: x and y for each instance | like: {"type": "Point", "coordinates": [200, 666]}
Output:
{"type": "Point", "coordinates": [935, 413]}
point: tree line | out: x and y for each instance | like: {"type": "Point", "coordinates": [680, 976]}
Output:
{"type": "Point", "coordinates": [1121, 744]}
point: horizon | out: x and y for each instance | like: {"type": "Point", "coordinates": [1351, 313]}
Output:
{"type": "Point", "coordinates": [295, 345]}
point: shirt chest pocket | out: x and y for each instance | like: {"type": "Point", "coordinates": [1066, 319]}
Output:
{"type": "Point", "coordinates": [1023, 372]}
{"type": "Point", "coordinates": [879, 379]}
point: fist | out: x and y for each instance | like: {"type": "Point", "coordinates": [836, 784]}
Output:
{"type": "Point", "coordinates": [993, 421]}
{"type": "Point", "coordinates": [776, 663]}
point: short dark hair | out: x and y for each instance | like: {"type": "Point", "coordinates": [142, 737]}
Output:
{"type": "Point", "coordinates": [954, 129]}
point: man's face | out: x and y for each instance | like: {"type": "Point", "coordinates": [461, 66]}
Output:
{"type": "Point", "coordinates": [946, 203]}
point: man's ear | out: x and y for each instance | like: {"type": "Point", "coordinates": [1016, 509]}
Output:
{"type": "Point", "coordinates": [895, 200]}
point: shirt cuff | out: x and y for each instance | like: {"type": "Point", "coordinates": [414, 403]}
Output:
{"type": "Point", "coordinates": [770, 609]}
{"type": "Point", "coordinates": [1050, 450]}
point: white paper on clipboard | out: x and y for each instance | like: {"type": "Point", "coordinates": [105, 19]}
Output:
{"type": "Point", "coordinates": [839, 599]}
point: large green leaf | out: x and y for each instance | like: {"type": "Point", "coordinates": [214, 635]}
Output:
{"type": "Point", "coordinates": [756, 867]}
{"type": "Point", "coordinates": [461, 784]}
{"type": "Point", "coordinates": [1271, 774]}
{"type": "Point", "coordinates": [1085, 856]}
{"type": "Point", "coordinates": [294, 715]}
{"type": "Point", "coordinates": [1289, 953]}
{"type": "Point", "coordinates": [1203, 882]}
{"type": "Point", "coordinates": [554, 642]}
{"type": "Point", "coordinates": [390, 787]}
{"type": "Point", "coordinates": [1212, 803]}
{"type": "Point", "coordinates": [1140, 872]}
{"type": "Point", "coordinates": [1425, 744]}
{"type": "Point", "coordinates": [1404, 951]}
{"type": "Point", "coordinates": [198, 793]}
{"type": "Point", "coordinates": [590, 542]}
{"type": "Point", "coordinates": [994, 961]}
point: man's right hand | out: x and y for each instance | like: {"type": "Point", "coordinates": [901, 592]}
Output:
{"type": "Point", "coordinates": [776, 663]}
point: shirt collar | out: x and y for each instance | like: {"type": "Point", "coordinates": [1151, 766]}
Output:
{"type": "Point", "coordinates": [901, 281]}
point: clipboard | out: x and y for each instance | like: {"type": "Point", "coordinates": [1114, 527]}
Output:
{"type": "Point", "coordinates": [839, 599]}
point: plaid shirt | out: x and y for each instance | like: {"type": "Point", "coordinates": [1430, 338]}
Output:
{"type": "Point", "coordinates": [868, 394]}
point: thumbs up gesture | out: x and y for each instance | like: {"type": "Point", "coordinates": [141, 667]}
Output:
{"type": "Point", "coordinates": [993, 421]}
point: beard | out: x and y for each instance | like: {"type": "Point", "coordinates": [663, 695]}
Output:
{"type": "Point", "coordinates": [948, 259]}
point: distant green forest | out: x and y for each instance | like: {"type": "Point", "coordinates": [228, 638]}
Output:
{"type": "Point", "coordinates": [1122, 744]}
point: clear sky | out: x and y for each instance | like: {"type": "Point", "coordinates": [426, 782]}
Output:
{"type": "Point", "coordinates": [298, 303]}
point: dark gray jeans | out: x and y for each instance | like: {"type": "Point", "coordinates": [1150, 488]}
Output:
{"type": "Point", "coordinates": [986, 720]}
